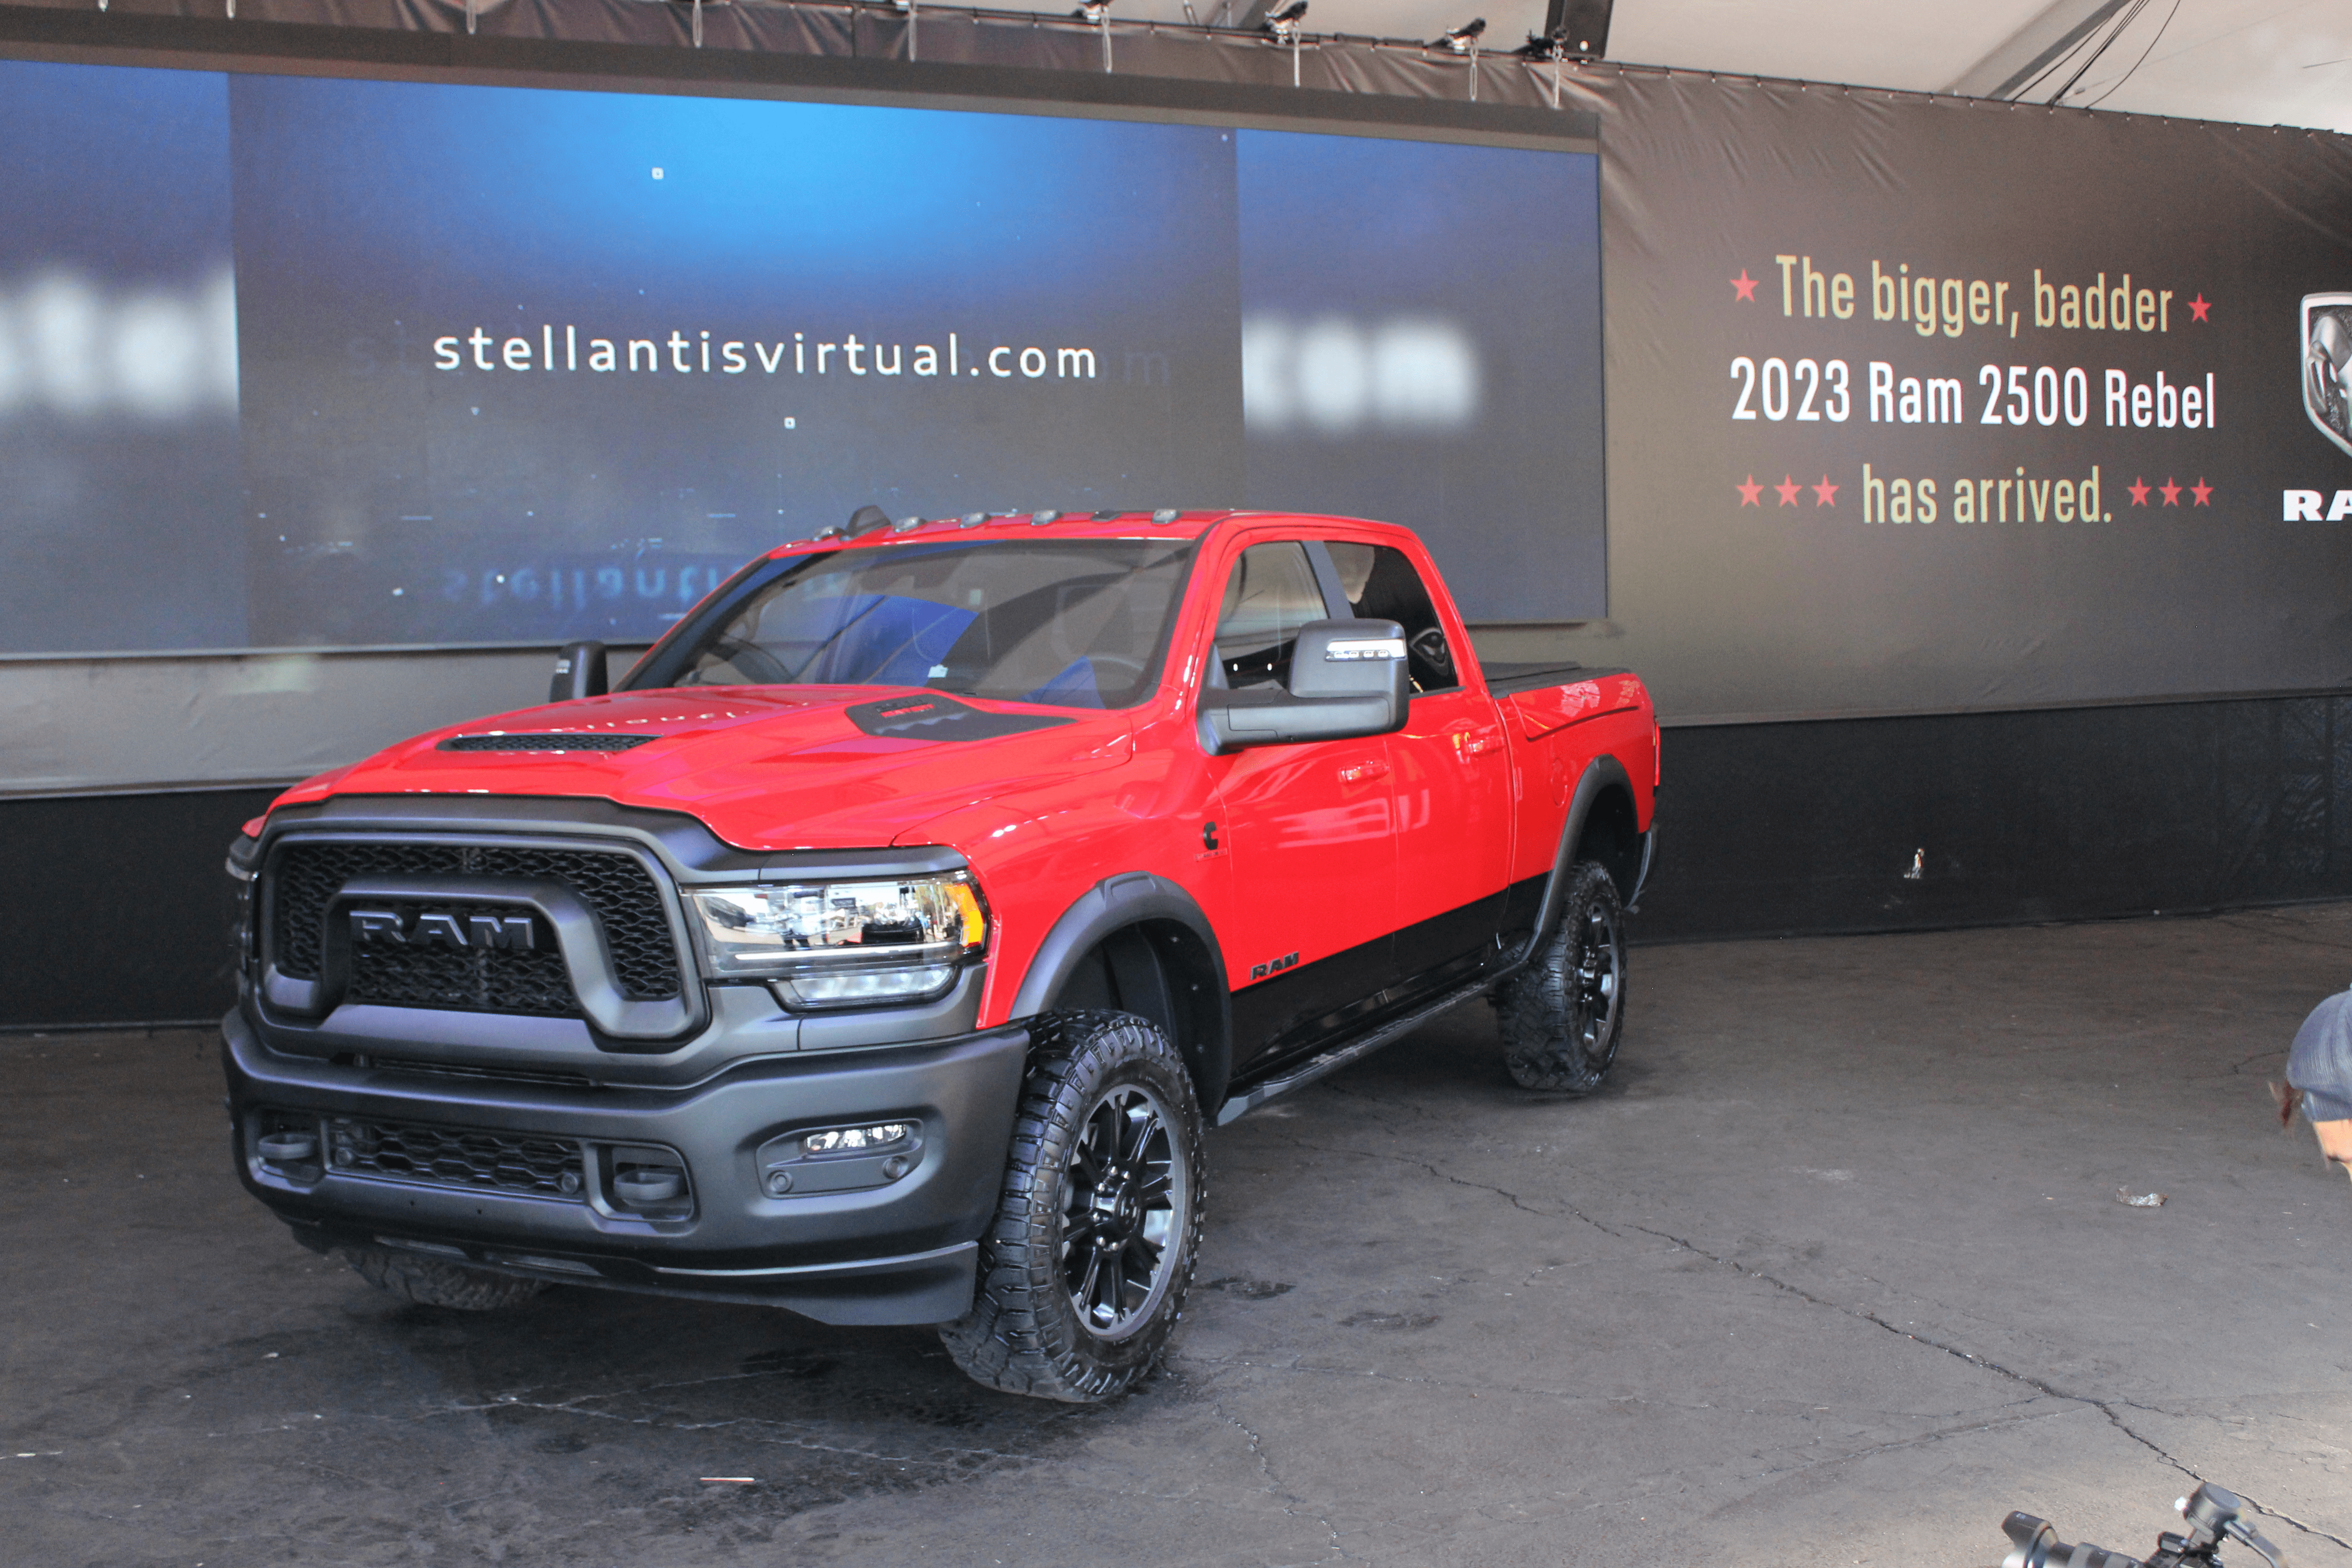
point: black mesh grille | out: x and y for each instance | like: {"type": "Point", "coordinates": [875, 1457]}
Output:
{"type": "Point", "coordinates": [457, 1157]}
{"type": "Point", "coordinates": [543, 743]}
{"type": "Point", "coordinates": [304, 877]}
{"type": "Point", "coordinates": [491, 980]}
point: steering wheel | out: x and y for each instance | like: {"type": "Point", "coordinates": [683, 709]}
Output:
{"type": "Point", "coordinates": [761, 666]}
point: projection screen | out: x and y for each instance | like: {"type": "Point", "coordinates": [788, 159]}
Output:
{"type": "Point", "coordinates": [318, 362]}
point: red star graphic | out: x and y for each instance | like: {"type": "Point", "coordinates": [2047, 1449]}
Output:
{"type": "Point", "coordinates": [2201, 489]}
{"type": "Point", "coordinates": [1745, 285]}
{"type": "Point", "coordinates": [1749, 492]}
{"type": "Point", "coordinates": [1788, 488]}
{"type": "Point", "coordinates": [2199, 305]}
{"type": "Point", "coordinates": [2138, 489]}
{"type": "Point", "coordinates": [1824, 493]}
{"type": "Point", "coordinates": [2171, 492]}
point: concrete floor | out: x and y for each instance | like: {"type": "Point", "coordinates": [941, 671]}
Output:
{"type": "Point", "coordinates": [1835, 1272]}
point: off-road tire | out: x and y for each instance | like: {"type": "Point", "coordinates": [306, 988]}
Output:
{"type": "Point", "coordinates": [431, 1283]}
{"type": "Point", "coordinates": [1562, 1016]}
{"type": "Point", "coordinates": [1091, 1076]}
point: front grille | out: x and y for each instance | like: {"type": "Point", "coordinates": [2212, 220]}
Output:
{"type": "Point", "coordinates": [483, 980]}
{"type": "Point", "coordinates": [467, 1157]}
{"type": "Point", "coordinates": [303, 880]}
{"type": "Point", "coordinates": [543, 743]}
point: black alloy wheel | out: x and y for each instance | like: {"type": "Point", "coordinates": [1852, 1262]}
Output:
{"type": "Point", "coordinates": [1084, 1269]}
{"type": "Point", "coordinates": [1562, 1016]}
{"type": "Point", "coordinates": [1121, 1206]}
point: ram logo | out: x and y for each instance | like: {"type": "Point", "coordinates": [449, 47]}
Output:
{"type": "Point", "coordinates": [1274, 966]}
{"type": "Point", "coordinates": [2328, 366]}
{"type": "Point", "coordinates": [436, 928]}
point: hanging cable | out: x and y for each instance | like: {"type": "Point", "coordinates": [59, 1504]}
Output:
{"type": "Point", "coordinates": [2169, 15]}
{"type": "Point", "coordinates": [2114, 33]}
{"type": "Point", "coordinates": [2026, 88]}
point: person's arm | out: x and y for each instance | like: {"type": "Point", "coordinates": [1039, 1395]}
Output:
{"type": "Point", "coordinates": [2335, 1142]}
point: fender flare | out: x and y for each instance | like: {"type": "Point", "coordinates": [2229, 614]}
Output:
{"type": "Point", "coordinates": [1113, 904]}
{"type": "Point", "coordinates": [1600, 774]}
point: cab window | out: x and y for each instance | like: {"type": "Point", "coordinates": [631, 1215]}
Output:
{"type": "Point", "coordinates": [1271, 595]}
{"type": "Point", "coordinates": [1382, 585]}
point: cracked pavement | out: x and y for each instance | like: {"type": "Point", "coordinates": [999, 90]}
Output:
{"type": "Point", "coordinates": [1833, 1271]}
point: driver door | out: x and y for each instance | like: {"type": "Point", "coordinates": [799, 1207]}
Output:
{"type": "Point", "coordinates": [1311, 830]}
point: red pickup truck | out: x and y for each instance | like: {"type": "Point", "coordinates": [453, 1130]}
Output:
{"type": "Point", "coordinates": [880, 946]}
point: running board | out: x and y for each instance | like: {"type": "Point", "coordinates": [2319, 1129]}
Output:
{"type": "Point", "coordinates": [1331, 1061]}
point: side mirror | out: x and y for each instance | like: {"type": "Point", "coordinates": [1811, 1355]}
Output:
{"type": "Point", "coordinates": [579, 672]}
{"type": "Point", "coordinates": [1348, 679]}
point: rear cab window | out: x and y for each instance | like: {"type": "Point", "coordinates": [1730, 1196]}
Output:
{"type": "Point", "coordinates": [1381, 584]}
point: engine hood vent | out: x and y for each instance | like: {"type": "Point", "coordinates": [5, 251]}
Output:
{"type": "Point", "coordinates": [503, 742]}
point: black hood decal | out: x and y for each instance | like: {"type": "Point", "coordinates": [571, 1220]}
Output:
{"type": "Point", "coordinates": [930, 716]}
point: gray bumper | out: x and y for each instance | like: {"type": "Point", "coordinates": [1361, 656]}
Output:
{"type": "Point", "coordinates": [899, 1252]}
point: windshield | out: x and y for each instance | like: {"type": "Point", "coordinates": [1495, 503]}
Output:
{"type": "Point", "coordinates": [1076, 622]}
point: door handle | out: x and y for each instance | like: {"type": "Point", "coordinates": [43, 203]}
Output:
{"type": "Point", "coordinates": [1356, 773]}
{"type": "Point", "coordinates": [1482, 743]}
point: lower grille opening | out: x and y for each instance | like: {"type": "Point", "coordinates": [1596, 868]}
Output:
{"type": "Point", "coordinates": [549, 1077]}
{"type": "Point", "coordinates": [477, 1159]}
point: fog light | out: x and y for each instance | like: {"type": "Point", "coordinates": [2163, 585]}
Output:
{"type": "Point", "coordinates": [843, 1140]}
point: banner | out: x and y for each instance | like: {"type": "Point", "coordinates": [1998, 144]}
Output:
{"type": "Point", "coordinates": [1921, 404]}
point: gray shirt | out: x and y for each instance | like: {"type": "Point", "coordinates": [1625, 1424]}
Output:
{"type": "Point", "coordinates": [2320, 1064]}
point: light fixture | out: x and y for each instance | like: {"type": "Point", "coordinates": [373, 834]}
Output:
{"type": "Point", "coordinates": [1284, 19]}
{"type": "Point", "coordinates": [842, 944]}
{"type": "Point", "coordinates": [1463, 39]}
{"type": "Point", "coordinates": [856, 1139]}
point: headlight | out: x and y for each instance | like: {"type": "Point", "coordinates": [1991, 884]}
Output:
{"type": "Point", "coordinates": [842, 944]}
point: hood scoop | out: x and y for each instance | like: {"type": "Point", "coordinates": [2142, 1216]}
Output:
{"type": "Point", "coordinates": [551, 743]}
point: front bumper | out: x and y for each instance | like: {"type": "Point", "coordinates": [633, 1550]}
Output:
{"type": "Point", "coordinates": [898, 1249]}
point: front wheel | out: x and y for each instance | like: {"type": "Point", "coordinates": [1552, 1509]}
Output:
{"type": "Point", "coordinates": [1562, 1016]}
{"type": "Point", "coordinates": [1084, 1268]}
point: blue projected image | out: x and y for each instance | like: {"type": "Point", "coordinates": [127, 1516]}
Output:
{"type": "Point", "coordinates": [507, 364]}
{"type": "Point", "coordinates": [548, 364]}
{"type": "Point", "coordinates": [1431, 357]}
{"type": "Point", "coordinates": [118, 362]}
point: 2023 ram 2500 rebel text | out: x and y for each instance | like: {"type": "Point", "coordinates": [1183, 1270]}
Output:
{"type": "Point", "coordinates": [881, 946]}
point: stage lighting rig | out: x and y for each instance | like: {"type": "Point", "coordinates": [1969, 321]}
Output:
{"type": "Point", "coordinates": [1573, 29]}
{"type": "Point", "coordinates": [1284, 19]}
{"type": "Point", "coordinates": [1095, 12]}
{"type": "Point", "coordinates": [1463, 39]}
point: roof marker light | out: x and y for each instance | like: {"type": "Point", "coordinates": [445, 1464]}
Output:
{"type": "Point", "coordinates": [1166, 514]}
{"type": "Point", "coordinates": [1040, 519]}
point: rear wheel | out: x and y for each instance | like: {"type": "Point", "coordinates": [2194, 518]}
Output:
{"type": "Point", "coordinates": [429, 1282]}
{"type": "Point", "coordinates": [1084, 1269]}
{"type": "Point", "coordinates": [1562, 1016]}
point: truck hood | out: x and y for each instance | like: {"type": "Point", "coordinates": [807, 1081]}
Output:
{"type": "Point", "coordinates": [763, 767]}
